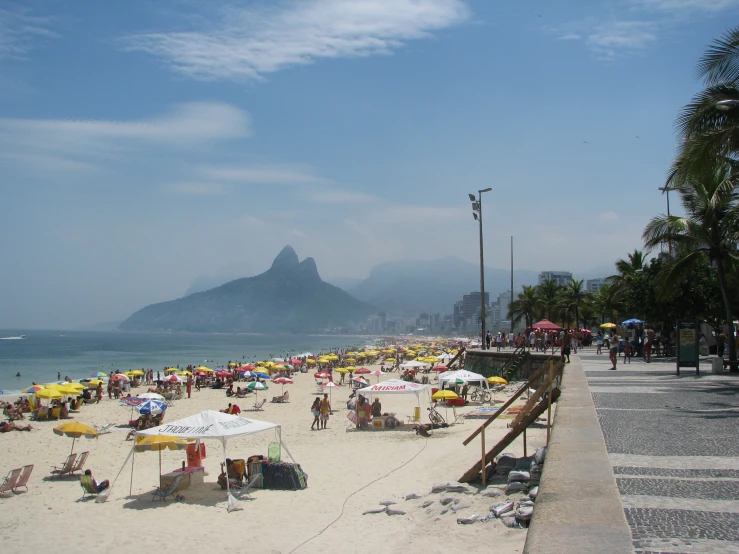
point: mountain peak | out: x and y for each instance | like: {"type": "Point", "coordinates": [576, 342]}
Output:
{"type": "Point", "coordinates": [309, 269]}
{"type": "Point", "coordinates": [286, 259]}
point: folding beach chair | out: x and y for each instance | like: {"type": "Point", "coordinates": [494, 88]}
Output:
{"type": "Point", "coordinates": [258, 405]}
{"type": "Point", "coordinates": [416, 417]}
{"type": "Point", "coordinates": [163, 493]}
{"type": "Point", "coordinates": [23, 481]}
{"type": "Point", "coordinates": [88, 487]}
{"type": "Point", "coordinates": [80, 463]}
{"type": "Point", "coordinates": [105, 429]}
{"type": "Point", "coordinates": [244, 491]}
{"type": "Point", "coordinates": [457, 418]}
{"type": "Point", "coordinates": [10, 481]}
{"type": "Point", "coordinates": [66, 468]}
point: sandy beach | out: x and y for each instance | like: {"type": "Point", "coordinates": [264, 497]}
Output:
{"type": "Point", "coordinates": [325, 517]}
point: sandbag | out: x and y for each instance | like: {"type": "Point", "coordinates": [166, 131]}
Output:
{"type": "Point", "coordinates": [516, 486]}
{"type": "Point", "coordinates": [533, 493]}
{"type": "Point", "coordinates": [516, 475]}
{"type": "Point", "coordinates": [499, 509]}
{"type": "Point", "coordinates": [540, 455]}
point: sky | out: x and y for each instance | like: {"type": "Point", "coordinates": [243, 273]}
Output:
{"type": "Point", "coordinates": [148, 145]}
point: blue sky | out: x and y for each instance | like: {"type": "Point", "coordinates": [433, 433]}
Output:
{"type": "Point", "coordinates": [144, 145]}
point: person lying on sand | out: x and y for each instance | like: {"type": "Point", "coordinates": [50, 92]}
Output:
{"type": "Point", "coordinates": [7, 426]}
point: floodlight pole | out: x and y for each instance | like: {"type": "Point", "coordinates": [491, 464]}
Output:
{"type": "Point", "coordinates": [666, 190]}
{"type": "Point", "coordinates": [477, 214]}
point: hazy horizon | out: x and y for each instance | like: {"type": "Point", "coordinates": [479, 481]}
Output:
{"type": "Point", "coordinates": [144, 146]}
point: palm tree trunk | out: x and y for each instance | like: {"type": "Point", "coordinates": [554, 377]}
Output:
{"type": "Point", "coordinates": [729, 315]}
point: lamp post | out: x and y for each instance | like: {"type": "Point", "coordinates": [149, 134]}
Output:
{"type": "Point", "coordinates": [726, 105]}
{"type": "Point", "coordinates": [666, 190]}
{"type": "Point", "coordinates": [477, 214]}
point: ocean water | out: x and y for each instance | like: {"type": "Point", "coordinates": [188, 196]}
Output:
{"type": "Point", "coordinates": [41, 355]}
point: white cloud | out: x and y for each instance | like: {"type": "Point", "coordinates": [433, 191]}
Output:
{"type": "Point", "coordinates": [618, 38]}
{"type": "Point", "coordinates": [608, 217]}
{"type": "Point", "coordinates": [197, 189]}
{"type": "Point", "coordinates": [247, 43]}
{"type": "Point", "coordinates": [20, 32]}
{"type": "Point", "coordinates": [686, 5]}
{"type": "Point", "coordinates": [340, 196]}
{"type": "Point", "coordinates": [571, 36]}
{"type": "Point", "coordinates": [274, 175]}
{"type": "Point", "coordinates": [185, 125]}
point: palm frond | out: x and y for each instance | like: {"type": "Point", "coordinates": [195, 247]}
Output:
{"type": "Point", "coordinates": [720, 63]}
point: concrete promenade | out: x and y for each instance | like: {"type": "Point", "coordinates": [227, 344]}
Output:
{"type": "Point", "coordinates": [668, 444]}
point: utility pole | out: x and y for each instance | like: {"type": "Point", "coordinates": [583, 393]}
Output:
{"type": "Point", "coordinates": [477, 214]}
{"type": "Point", "coordinates": [511, 301]}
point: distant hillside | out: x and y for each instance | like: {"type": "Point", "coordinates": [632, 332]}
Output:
{"type": "Point", "coordinates": [433, 286]}
{"type": "Point", "coordinates": [289, 297]}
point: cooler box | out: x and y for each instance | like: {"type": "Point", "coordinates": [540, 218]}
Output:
{"type": "Point", "coordinates": [194, 458]}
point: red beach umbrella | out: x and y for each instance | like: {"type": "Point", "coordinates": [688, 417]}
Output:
{"type": "Point", "coordinates": [283, 381]}
{"type": "Point", "coordinates": [440, 368]}
{"type": "Point", "coordinates": [322, 375]}
{"type": "Point", "coordinates": [362, 371]}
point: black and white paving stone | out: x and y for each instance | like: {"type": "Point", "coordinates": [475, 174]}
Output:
{"type": "Point", "coordinates": [674, 449]}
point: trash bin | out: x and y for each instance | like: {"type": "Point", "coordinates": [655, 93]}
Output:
{"type": "Point", "coordinates": [717, 364]}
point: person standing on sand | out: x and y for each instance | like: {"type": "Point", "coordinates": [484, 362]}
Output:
{"type": "Point", "coordinates": [566, 341]}
{"type": "Point", "coordinates": [613, 350]}
{"type": "Point", "coordinates": [189, 386]}
{"type": "Point", "coordinates": [315, 409]}
{"type": "Point", "coordinates": [325, 409]}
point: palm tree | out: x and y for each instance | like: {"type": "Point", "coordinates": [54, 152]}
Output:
{"type": "Point", "coordinates": [548, 293]}
{"type": "Point", "coordinates": [607, 304]}
{"type": "Point", "coordinates": [572, 296]}
{"type": "Point", "coordinates": [524, 307]}
{"type": "Point", "coordinates": [707, 132]}
{"type": "Point", "coordinates": [627, 271]}
{"type": "Point", "coordinates": [710, 229]}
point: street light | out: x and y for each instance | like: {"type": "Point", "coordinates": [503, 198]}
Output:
{"type": "Point", "coordinates": [726, 105]}
{"type": "Point", "coordinates": [477, 214]}
{"type": "Point", "coordinates": [666, 190]}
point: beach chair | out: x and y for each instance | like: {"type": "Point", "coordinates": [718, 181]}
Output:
{"type": "Point", "coordinates": [88, 487]}
{"type": "Point", "coordinates": [10, 481]}
{"type": "Point", "coordinates": [416, 417]}
{"type": "Point", "coordinates": [23, 480]}
{"type": "Point", "coordinates": [66, 467]}
{"type": "Point", "coordinates": [457, 418]}
{"type": "Point", "coordinates": [258, 405]}
{"type": "Point", "coordinates": [105, 429]}
{"type": "Point", "coordinates": [244, 491]}
{"type": "Point", "coordinates": [164, 492]}
{"type": "Point", "coordinates": [55, 412]}
{"type": "Point", "coordinates": [281, 399]}
{"type": "Point", "coordinates": [42, 413]}
{"type": "Point", "coordinates": [80, 463]}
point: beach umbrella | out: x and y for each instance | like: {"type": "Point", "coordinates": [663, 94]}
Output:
{"type": "Point", "coordinates": [378, 373]}
{"type": "Point", "coordinates": [184, 373]}
{"type": "Point", "coordinates": [232, 364]}
{"type": "Point", "coordinates": [158, 443]}
{"type": "Point", "coordinates": [445, 395]}
{"type": "Point", "coordinates": [330, 385]}
{"type": "Point", "coordinates": [440, 368]}
{"type": "Point", "coordinates": [201, 373]}
{"type": "Point", "coordinates": [151, 395]}
{"type": "Point", "coordinates": [322, 375]}
{"type": "Point", "coordinates": [608, 326]}
{"type": "Point", "coordinates": [283, 381]}
{"type": "Point", "coordinates": [204, 368]}
{"type": "Point", "coordinates": [248, 374]}
{"type": "Point", "coordinates": [49, 394]}
{"type": "Point", "coordinates": [310, 361]}
{"type": "Point", "coordinates": [136, 373]}
{"type": "Point", "coordinates": [119, 377]}
{"type": "Point", "coordinates": [248, 367]}
{"type": "Point", "coordinates": [68, 391]}
{"type": "Point", "coordinates": [172, 370]}
{"type": "Point", "coordinates": [75, 430]}
{"type": "Point", "coordinates": [262, 375]}
{"type": "Point", "coordinates": [99, 374]}
{"type": "Point", "coordinates": [33, 388]}
{"type": "Point", "coordinates": [78, 386]}
{"type": "Point", "coordinates": [495, 380]}
{"type": "Point", "coordinates": [362, 371]}
{"type": "Point", "coordinates": [174, 379]}
{"type": "Point", "coordinates": [152, 407]}
{"type": "Point", "coordinates": [390, 360]}
{"type": "Point", "coordinates": [222, 373]}
{"type": "Point", "coordinates": [350, 368]}
{"type": "Point", "coordinates": [256, 386]}
{"type": "Point", "coordinates": [343, 370]}
{"type": "Point", "coordinates": [95, 382]}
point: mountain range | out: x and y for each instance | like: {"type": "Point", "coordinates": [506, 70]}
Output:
{"type": "Point", "coordinates": [289, 297]}
{"type": "Point", "coordinates": [433, 286]}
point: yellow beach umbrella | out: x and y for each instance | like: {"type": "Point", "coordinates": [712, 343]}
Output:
{"type": "Point", "coordinates": [390, 360]}
{"type": "Point", "coordinates": [444, 395]}
{"type": "Point", "coordinates": [78, 386]}
{"type": "Point", "coordinates": [342, 370]}
{"type": "Point", "coordinates": [332, 357]}
{"type": "Point", "coordinates": [185, 373]}
{"type": "Point", "coordinates": [608, 326]}
{"type": "Point", "coordinates": [49, 394]}
{"type": "Point", "coordinates": [53, 386]}
{"type": "Point", "coordinates": [232, 364]}
{"type": "Point", "coordinates": [136, 373]}
{"type": "Point", "coordinates": [203, 368]}
{"type": "Point", "coordinates": [350, 368]}
{"type": "Point", "coordinates": [95, 382]}
{"type": "Point", "coordinates": [173, 370]}
{"type": "Point", "coordinates": [495, 380]}
{"type": "Point", "coordinates": [310, 361]}
{"type": "Point", "coordinates": [159, 443]}
{"type": "Point", "coordinates": [75, 430]}
{"type": "Point", "coordinates": [67, 390]}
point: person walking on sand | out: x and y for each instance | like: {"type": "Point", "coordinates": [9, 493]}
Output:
{"type": "Point", "coordinates": [189, 385]}
{"type": "Point", "coordinates": [599, 343]}
{"type": "Point", "coordinates": [613, 350]}
{"type": "Point", "coordinates": [325, 409]}
{"type": "Point", "coordinates": [315, 409]}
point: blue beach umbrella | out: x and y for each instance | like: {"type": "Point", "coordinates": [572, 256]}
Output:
{"type": "Point", "coordinates": [152, 407]}
{"type": "Point", "coordinates": [248, 374]}
{"type": "Point", "coordinates": [261, 375]}
{"type": "Point", "coordinates": [632, 322]}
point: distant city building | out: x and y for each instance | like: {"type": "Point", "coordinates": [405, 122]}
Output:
{"type": "Point", "coordinates": [562, 278]}
{"type": "Point", "coordinates": [382, 316]}
{"type": "Point", "coordinates": [594, 285]}
{"type": "Point", "coordinates": [471, 305]}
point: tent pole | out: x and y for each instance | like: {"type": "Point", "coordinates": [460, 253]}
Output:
{"type": "Point", "coordinates": [225, 466]}
{"type": "Point", "coordinates": [133, 461]}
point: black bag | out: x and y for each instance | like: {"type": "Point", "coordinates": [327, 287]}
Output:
{"type": "Point", "coordinates": [284, 476]}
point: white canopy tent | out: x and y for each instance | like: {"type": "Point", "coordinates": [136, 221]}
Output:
{"type": "Point", "coordinates": [466, 376]}
{"type": "Point", "coordinates": [397, 386]}
{"type": "Point", "coordinates": [212, 424]}
{"type": "Point", "coordinates": [413, 364]}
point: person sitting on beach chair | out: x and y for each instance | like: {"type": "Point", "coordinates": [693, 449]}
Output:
{"type": "Point", "coordinates": [235, 478]}
{"type": "Point", "coordinates": [99, 487]}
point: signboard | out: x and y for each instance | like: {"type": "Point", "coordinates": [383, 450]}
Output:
{"type": "Point", "coordinates": [687, 344]}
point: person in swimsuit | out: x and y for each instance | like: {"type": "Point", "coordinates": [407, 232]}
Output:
{"type": "Point", "coordinates": [315, 409]}
{"type": "Point", "coordinates": [325, 409]}
{"type": "Point", "coordinates": [613, 350]}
